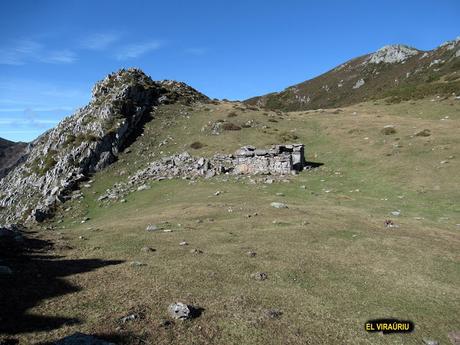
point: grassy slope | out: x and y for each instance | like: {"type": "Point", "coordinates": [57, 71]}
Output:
{"type": "Point", "coordinates": [331, 264]}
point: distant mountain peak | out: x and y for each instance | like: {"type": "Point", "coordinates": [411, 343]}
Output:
{"type": "Point", "coordinates": [399, 72]}
{"type": "Point", "coordinates": [395, 53]}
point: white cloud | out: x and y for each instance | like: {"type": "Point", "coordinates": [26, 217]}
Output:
{"type": "Point", "coordinates": [25, 51]}
{"type": "Point", "coordinates": [99, 41]}
{"type": "Point", "coordinates": [136, 50]}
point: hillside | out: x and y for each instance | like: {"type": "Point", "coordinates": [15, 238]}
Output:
{"type": "Point", "coordinates": [10, 154]}
{"type": "Point", "coordinates": [395, 72]}
{"type": "Point", "coordinates": [85, 142]}
{"type": "Point", "coordinates": [373, 232]}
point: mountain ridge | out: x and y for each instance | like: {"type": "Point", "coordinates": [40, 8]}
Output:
{"type": "Point", "coordinates": [86, 142]}
{"type": "Point", "coordinates": [397, 72]}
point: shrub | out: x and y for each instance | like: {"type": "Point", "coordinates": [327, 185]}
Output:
{"type": "Point", "coordinates": [228, 126]}
{"type": "Point", "coordinates": [232, 114]}
{"type": "Point", "coordinates": [287, 137]}
{"type": "Point", "coordinates": [41, 167]}
{"type": "Point", "coordinates": [196, 145]}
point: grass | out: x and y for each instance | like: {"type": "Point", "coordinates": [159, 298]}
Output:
{"type": "Point", "coordinates": [331, 264]}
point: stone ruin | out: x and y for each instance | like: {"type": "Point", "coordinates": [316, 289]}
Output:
{"type": "Point", "coordinates": [278, 160]}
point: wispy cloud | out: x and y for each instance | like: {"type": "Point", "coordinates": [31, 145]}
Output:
{"type": "Point", "coordinates": [135, 50]}
{"type": "Point", "coordinates": [25, 51]}
{"type": "Point", "coordinates": [27, 121]}
{"type": "Point", "coordinates": [60, 56]}
{"type": "Point", "coordinates": [19, 53]}
{"type": "Point", "coordinates": [17, 110]}
{"type": "Point", "coordinates": [196, 51]}
{"type": "Point", "coordinates": [99, 41]}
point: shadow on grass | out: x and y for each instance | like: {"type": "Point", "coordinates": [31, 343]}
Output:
{"type": "Point", "coordinates": [312, 165]}
{"type": "Point", "coordinates": [36, 277]}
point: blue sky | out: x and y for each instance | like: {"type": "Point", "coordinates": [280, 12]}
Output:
{"type": "Point", "coordinates": [52, 52]}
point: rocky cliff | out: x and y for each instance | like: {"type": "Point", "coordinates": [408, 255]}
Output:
{"type": "Point", "coordinates": [89, 140]}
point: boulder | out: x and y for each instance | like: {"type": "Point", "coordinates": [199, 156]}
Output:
{"type": "Point", "coordinates": [278, 205]}
{"type": "Point", "coordinates": [179, 311]}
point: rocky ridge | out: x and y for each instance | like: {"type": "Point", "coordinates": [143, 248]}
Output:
{"type": "Point", "coordinates": [89, 140]}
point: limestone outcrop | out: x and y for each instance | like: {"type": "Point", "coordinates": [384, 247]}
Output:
{"type": "Point", "coordinates": [89, 140]}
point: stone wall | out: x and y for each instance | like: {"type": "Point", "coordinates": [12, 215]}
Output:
{"type": "Point", "coordinates": [279, 159]}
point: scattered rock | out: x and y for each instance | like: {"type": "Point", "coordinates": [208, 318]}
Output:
{"type": "Point", "coordinates": [260, 276]}
{"type": "Point", "coordinates": [179, 311]}
{"type": "Point", "coordinates": [273, 313]}
{"type": "Point", "coordinates": [251, 254]}
{"type": "Point", "coordinates": [389, 224]}
{"type": "Point", "coordinates": [279, 194]}
{"type": "Point", "coordinates": [81, 339]}
{"type": "Point", "coordinates": [130, 317]}
{"type": "Point", "coordinates": [143, 187]}
{"type": "Point", "coordinates": [278, 205]}
{"type": "Point", "coordinates": [137, 264]}
{"type": "Point", "coordinates": [388, 129]}
{"type": "Point", "coordinates": [430, 342]}
{"type": "Point", "coordinates": [423, 133]}
{"type": "Point", "coordinates": [396, 213]}
{"type": "Point", "coordinates": [217, 193]}
{"type": "Point", "coordinates": [147, 249]}
{"type": "Point", "coordinates": [151, 227]}
{"type": "Point", "coordinates": [196, 251]}
{"type": "Point", "coordinates": [183, 243]}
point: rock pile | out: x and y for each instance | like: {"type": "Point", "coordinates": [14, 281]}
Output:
{"type": "Point", "coordinates": [278, 160]}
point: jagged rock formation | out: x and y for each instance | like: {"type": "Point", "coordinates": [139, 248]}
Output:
{"type": "Point", "coordinates": [392, 54]}
{"type": "Point", "coordinates": [11, 154]}
{"type": "Point", "coordinates": [89, 140]}
{"type": "Point", "coordinates": [396, 72]}
{"type": "Point", "coordinates": [278, 160]}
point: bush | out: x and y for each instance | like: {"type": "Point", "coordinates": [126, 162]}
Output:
{"type": "Point", "coordinates": [286, 137]}
{"type": "Point", "coordinates": [228, 126]}
{"type": "Point", "coordinates": [41, 167]}
{"type": "Point", "coordinates": [232, 114]}
{"type": "Point", "coordinates": [196, 145]}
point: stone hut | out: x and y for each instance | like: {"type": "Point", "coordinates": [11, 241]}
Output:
{"type": "Point", "coordinates": [279, 159]}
